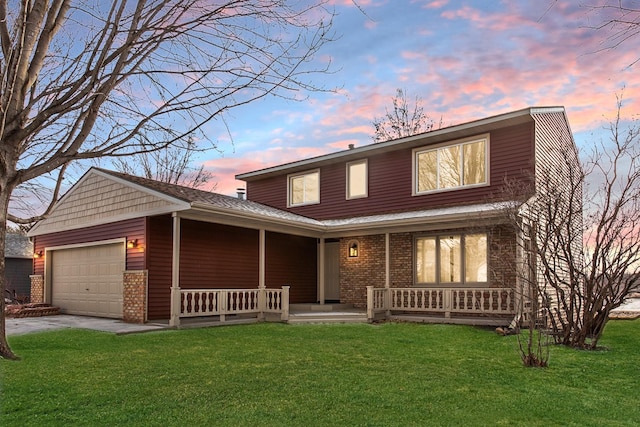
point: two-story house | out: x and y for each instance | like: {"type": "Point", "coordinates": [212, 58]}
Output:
{"type": "Point", "coordinates": [413, 225]}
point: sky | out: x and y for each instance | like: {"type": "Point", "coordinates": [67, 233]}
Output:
{"type": "Point", "coordinates": [465, 60]}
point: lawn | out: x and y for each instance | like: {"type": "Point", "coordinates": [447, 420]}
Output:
{"type": "Point", "coordinates": [316, 375]}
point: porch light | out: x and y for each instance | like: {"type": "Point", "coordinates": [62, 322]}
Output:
{"type": "Point", "coordinates": [132, 243]}
{"type": "Point", "coordinates": [37, 254]}
{"type": "Point", "coordinates": [353, 249]}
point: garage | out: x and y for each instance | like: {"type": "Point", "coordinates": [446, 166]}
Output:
{"type": "Point", "coordinates": [88, 280]}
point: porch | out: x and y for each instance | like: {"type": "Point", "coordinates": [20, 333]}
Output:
{"type": "Point", "coordinates": [471, 306]}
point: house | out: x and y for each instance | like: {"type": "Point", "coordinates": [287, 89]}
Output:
{"type": "Point", "coordinates": [18, 259]}
{"type": "Point", "coordinates": [412, 225]}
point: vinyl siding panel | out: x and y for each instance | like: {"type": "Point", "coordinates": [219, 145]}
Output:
{"type": "Point", "coordinates": [96, 200]}
{"type": "Point", "coordinates": [129, 229]}
{"type": "Point", "coordinates": [292, 260]}
{"type": "Point", "coordinates": [511, 151]}
{"type": "Point", "coordinates": [159, 266]}
{"type": "Point", "coordinates": [218, 256]}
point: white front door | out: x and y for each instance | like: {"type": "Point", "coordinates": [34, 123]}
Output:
{"type": "Point", "coordinates": [332, 271]}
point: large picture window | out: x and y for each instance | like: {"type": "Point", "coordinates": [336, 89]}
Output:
{"type": "Point", "coordinates": [451, 259]}
{"type": "Point", "coordinates": [304, 188]}
{"type": "Point", "coordinates": [452, 166]}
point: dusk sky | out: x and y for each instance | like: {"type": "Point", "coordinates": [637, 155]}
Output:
{"type": "Point", "coordinates": [465, 59]}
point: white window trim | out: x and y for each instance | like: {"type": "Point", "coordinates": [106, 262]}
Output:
{"type": "Point", "coordinates": [297, 175]}
{"type": "Point", "coordinates": [460, 142]}
{"type": "Point", "coordinates": [366, 180]}
{"type": "Point", "coordinates": [438, 283]}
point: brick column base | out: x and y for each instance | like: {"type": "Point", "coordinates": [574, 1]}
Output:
{"type": "Point", "coordinates": [134, 296]}
{"type": "Point", "coordinates": [37, 288]}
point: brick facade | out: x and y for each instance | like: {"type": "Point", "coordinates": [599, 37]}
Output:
{"type": "Point", "coordinates": [368, 269]}
{"type": "Point", "coordinates": [401, 261]}
{"type": "Point", "coordinates": [37, 288]}
{"type": "Point", "coordinates": [134, 296]}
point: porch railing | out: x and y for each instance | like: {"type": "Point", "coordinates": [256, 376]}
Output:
{"type": "Point", "coordinates": [478, 301]}
{"type": "Point", "coordinates": [223, 302]}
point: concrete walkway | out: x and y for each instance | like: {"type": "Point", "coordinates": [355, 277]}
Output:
{"type": "Point", "coordinates": [48, 323]}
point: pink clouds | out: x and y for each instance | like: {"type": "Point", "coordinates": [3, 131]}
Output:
{"type": "Point", "coordinates": [225, 169]}
{"type": "Point", "coordinates": [464, 62]}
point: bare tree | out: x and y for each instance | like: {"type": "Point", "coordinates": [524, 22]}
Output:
{"type": "Point", "coordinates": [88, 79]}
{"type": "Point", "coordinates": [173, 165]}
{"type": "Point", "coordinates": [618, 20]}
{"type": "Point", "coordinates": [404, 120]}
{"type": "Point", "coordinates": [582, 258]}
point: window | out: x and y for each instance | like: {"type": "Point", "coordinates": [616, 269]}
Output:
{"type": "Point", "coordinates": [450, 259]}
{"type": "Point", "coordinates": [453, 166]}
{"type": "Point", "coordinates": [304, 189]}
{"type": "Point", "coordinates": [357, 179]}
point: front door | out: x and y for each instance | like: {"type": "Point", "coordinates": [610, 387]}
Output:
{"type": "Point", "coordinates": [332, 271]}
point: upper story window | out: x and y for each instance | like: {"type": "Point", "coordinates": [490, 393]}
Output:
{"type": "Point", "coordinates": [304, 188]}
{"type": "Point", "coordinates": [357, 186]}
{"type": "Point", "coordinates": [451, 166]}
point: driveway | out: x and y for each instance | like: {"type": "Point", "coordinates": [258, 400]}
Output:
{"type": "Point", "coordinates": [27, 325]}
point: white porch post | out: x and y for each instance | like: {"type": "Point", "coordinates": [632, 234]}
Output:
{"type": "Point", "coordinates": [262, 297]}
{"type": "Point", "coordinates": [321, 268]}
{"type": "Point", "coordinates": [174, 320]}
{"type": "Point", "coordinates": [387, 273]}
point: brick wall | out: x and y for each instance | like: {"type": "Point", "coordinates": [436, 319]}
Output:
{"type": "Point", "coordinates": [401, 261]}
{"type": "Point", "coordinates": [134, 296]}
{"type": "Point", "coordinates": [367, 269]}
{"type": "Point", "coordinates": [37, 288]}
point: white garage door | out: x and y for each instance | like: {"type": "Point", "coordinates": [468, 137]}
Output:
{"type": "Point", "coordinates": [88, 280]}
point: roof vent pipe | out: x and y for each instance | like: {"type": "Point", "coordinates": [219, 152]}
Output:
{"type": "Point", "coordinates": [240, 192]}
{"type": "Point", "coordinates": [351, 146]}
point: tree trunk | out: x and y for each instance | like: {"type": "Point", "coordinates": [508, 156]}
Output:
{"type": "Point", "coordinates": [5, 194]}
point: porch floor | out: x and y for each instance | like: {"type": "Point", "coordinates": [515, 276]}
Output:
{"type": "Point", "coordinates": [326, 313]}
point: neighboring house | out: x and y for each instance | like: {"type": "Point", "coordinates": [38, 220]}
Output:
{"type": "Point", "coordinates": [18, 258]}
{"type": "Point", "coordinates": [409, 225]}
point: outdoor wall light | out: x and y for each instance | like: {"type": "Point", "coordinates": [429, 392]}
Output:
{"type": "Point", "coordinates": [132, 243]}
{"type": "Point", "coordinates": [37, 254]}
{"type": "Point", "coordinates": [353, 249]}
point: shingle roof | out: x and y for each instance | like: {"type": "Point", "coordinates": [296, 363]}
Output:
{"type": "Point", "coordinates": [219, 202]}
{"type": "Point", "coordinates": [212, 200]}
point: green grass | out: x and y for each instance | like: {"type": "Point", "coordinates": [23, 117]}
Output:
{"type": "Point", "coordinates": [316, 375]}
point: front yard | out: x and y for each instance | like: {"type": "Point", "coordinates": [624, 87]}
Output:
{"type": "Point", "coordinates": [316, 375]}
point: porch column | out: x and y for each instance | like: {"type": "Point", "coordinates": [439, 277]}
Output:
{"type": "Point", "coordinates": [387, 261]}
{"type": "Point", "coordinates": [321, 261]}
{"type": "Point", "coordinates": [262, 297]}
{"type": "Point", "coordinates": [262, 262]}
{"type": "Point", "coordinates": [174, 320]}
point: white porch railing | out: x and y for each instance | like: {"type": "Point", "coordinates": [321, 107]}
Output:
{"type": "Point", "coordinates": [223, 302]}
{"type": "Point", "coordinates": [479, 301]}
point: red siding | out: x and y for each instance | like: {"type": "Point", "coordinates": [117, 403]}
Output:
{"type": "Point", "coordinates": [211, 256]}
{"type": "Point", "coordinates": [292, 260]}
{"type": "Point", "coordinates": [390, 181]}
{"type": "Point", "coordinates": [129, 229]}
{"type": "Point", "coordinates": [159, 265]}
{"type": "Point", "coordinates": [218, 256]}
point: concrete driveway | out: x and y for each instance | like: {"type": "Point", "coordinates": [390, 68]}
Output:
{"type": "Point", "coordinates": [48, 323]}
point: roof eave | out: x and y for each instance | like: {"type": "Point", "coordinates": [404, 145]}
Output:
{"type": "Point", "coordinates": [438, 135]}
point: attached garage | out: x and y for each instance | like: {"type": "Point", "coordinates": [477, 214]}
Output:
{"type": "Point", "coordinates": [87, 280]}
